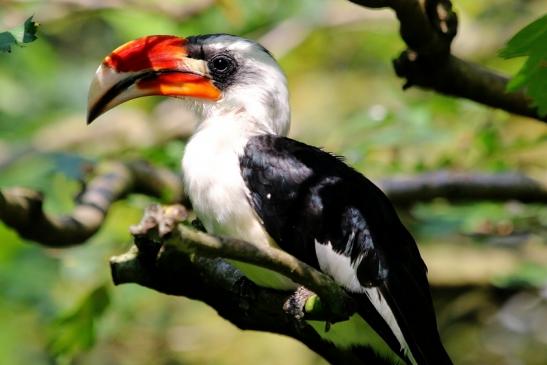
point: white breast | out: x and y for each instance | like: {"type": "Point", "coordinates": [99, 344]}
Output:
{"type": "Point", "coordinates": [213, 181]}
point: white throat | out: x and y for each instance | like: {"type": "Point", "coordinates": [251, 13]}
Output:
{"type": "Point", "coordinates": [259, 109]}
{"type": "Point", "coordinates": [213, 181]}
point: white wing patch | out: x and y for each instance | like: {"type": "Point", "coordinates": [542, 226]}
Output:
{"type": "Point", "coordinates": [379, 302]}
{"type": "Point", "coordinates": [340, 268]}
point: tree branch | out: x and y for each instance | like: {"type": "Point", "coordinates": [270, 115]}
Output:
{"type": "Point", "coordinates": [189, 241]}
{"type": "Point", "coordinates": [457, 186]}
{"type": "Point", "coordinates": [22, 209]}
{"type": "Point", "coordinates": [162, 225]}
{"type": "Point", "coordinates": [428, 28]}
{"type": "Point", "coordinates": [224, 288]}
{"type": "Point", "coordinates": [164, 259]}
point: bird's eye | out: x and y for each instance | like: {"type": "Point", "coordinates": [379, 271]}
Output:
{"type": "Point", "coordinates": [221, 64]}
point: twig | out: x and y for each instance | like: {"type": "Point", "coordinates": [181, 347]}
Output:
{"type": "Point", "coordinates": [224, 288]}
{"type": "Point", "coordinates": [456, 186]}
{"type": "Point", "coordinates": [428, 28]}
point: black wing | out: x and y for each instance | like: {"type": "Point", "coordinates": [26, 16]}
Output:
{"type": "Point", "coordinates": [304, 195]}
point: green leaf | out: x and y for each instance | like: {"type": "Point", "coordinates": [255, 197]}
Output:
{"type": "Point", "coordinates": [18, 36]}
{"type": "Point", "coordinates": [531, 41]}
{"type": "Point", "coordinates": [74, 331]}
{"type": "Point", "coordinates": [531, 37]}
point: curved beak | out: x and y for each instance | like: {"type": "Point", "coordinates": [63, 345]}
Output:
{"type": "Point", "coordinates": [152, 65]}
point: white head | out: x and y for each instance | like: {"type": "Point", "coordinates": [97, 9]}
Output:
{"type": "Point", "coordinates": [219, 75]}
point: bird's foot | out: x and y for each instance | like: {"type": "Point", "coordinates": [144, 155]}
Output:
{"type": "Point", "coordinates": [156, 223]}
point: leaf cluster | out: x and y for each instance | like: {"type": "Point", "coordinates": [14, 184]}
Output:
{"type": "Point", "coordinates": [530, 42]}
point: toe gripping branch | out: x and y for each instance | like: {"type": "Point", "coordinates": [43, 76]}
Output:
{"type": "Point", "coordinates": [166, 246]}
{"type": "Point", "coordinates": [172, 257]}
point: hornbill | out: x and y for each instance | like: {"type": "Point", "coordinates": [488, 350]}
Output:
{"type": "Point", "coordinates": [247, 180]}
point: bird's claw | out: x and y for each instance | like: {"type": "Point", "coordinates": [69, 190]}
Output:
{"type": "Point", "coordinates": [157, 222]}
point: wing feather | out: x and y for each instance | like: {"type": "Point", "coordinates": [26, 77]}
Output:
{"type": "Point", "coordinates": [306, 196]}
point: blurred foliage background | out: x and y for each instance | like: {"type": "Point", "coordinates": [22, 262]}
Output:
{"type": "Point", "coordinates": [59, 306]}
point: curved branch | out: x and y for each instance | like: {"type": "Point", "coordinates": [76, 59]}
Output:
{"type": "Point", "coordinates": [428, 28]}
{"type": "Point", "coordinates": [164, 258]}
{"type": "Point", "coordinates": [162, 225]}
{"type": "Point", "coordinates": [22, 209]}
{"type": "Point", "coordinates": [224, 288]}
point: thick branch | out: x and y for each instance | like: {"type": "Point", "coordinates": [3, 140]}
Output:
{"type": "Point", "coordinates": [460, 78]}
{"type": "Point", "coordinates": [22, 209]}
{"type": "Point", "coordinates": [167, 258]}
{"type": "Point", "coordinates": [194, 242]}
{"type": "Point", "coordinates": [428, 27]}
{"type": "Point", "coordinates": [224, 288]}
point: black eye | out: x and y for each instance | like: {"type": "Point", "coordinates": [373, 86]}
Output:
{"type": "Point", "coordinates": [222, 64]}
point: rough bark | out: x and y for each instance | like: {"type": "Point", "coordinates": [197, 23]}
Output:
{"type": "Point", "coordinates": [165, 258]}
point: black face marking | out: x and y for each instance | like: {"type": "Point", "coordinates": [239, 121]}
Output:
{"type": "Point", "coordinates": [223, 65]}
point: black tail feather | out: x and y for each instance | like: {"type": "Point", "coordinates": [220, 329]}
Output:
{"type": "Point", "coordinates": [428, 352]}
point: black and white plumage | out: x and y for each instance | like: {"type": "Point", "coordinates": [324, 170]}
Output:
{"type": "Point", "coordinates": [346, 227]}
{"type": "Point", "coordinates": [247, 180]}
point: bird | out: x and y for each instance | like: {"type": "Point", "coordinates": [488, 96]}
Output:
{"type": "Point", "coordinates": [247, 180]}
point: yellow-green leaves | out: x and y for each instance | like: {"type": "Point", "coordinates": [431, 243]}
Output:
{"type": "Point", "coordinates": [18, 36]}
{"type": "Point", "coordinates": [531, 42]}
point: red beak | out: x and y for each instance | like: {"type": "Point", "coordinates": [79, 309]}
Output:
{"type": "Point", "coordinates": [153, 65]}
